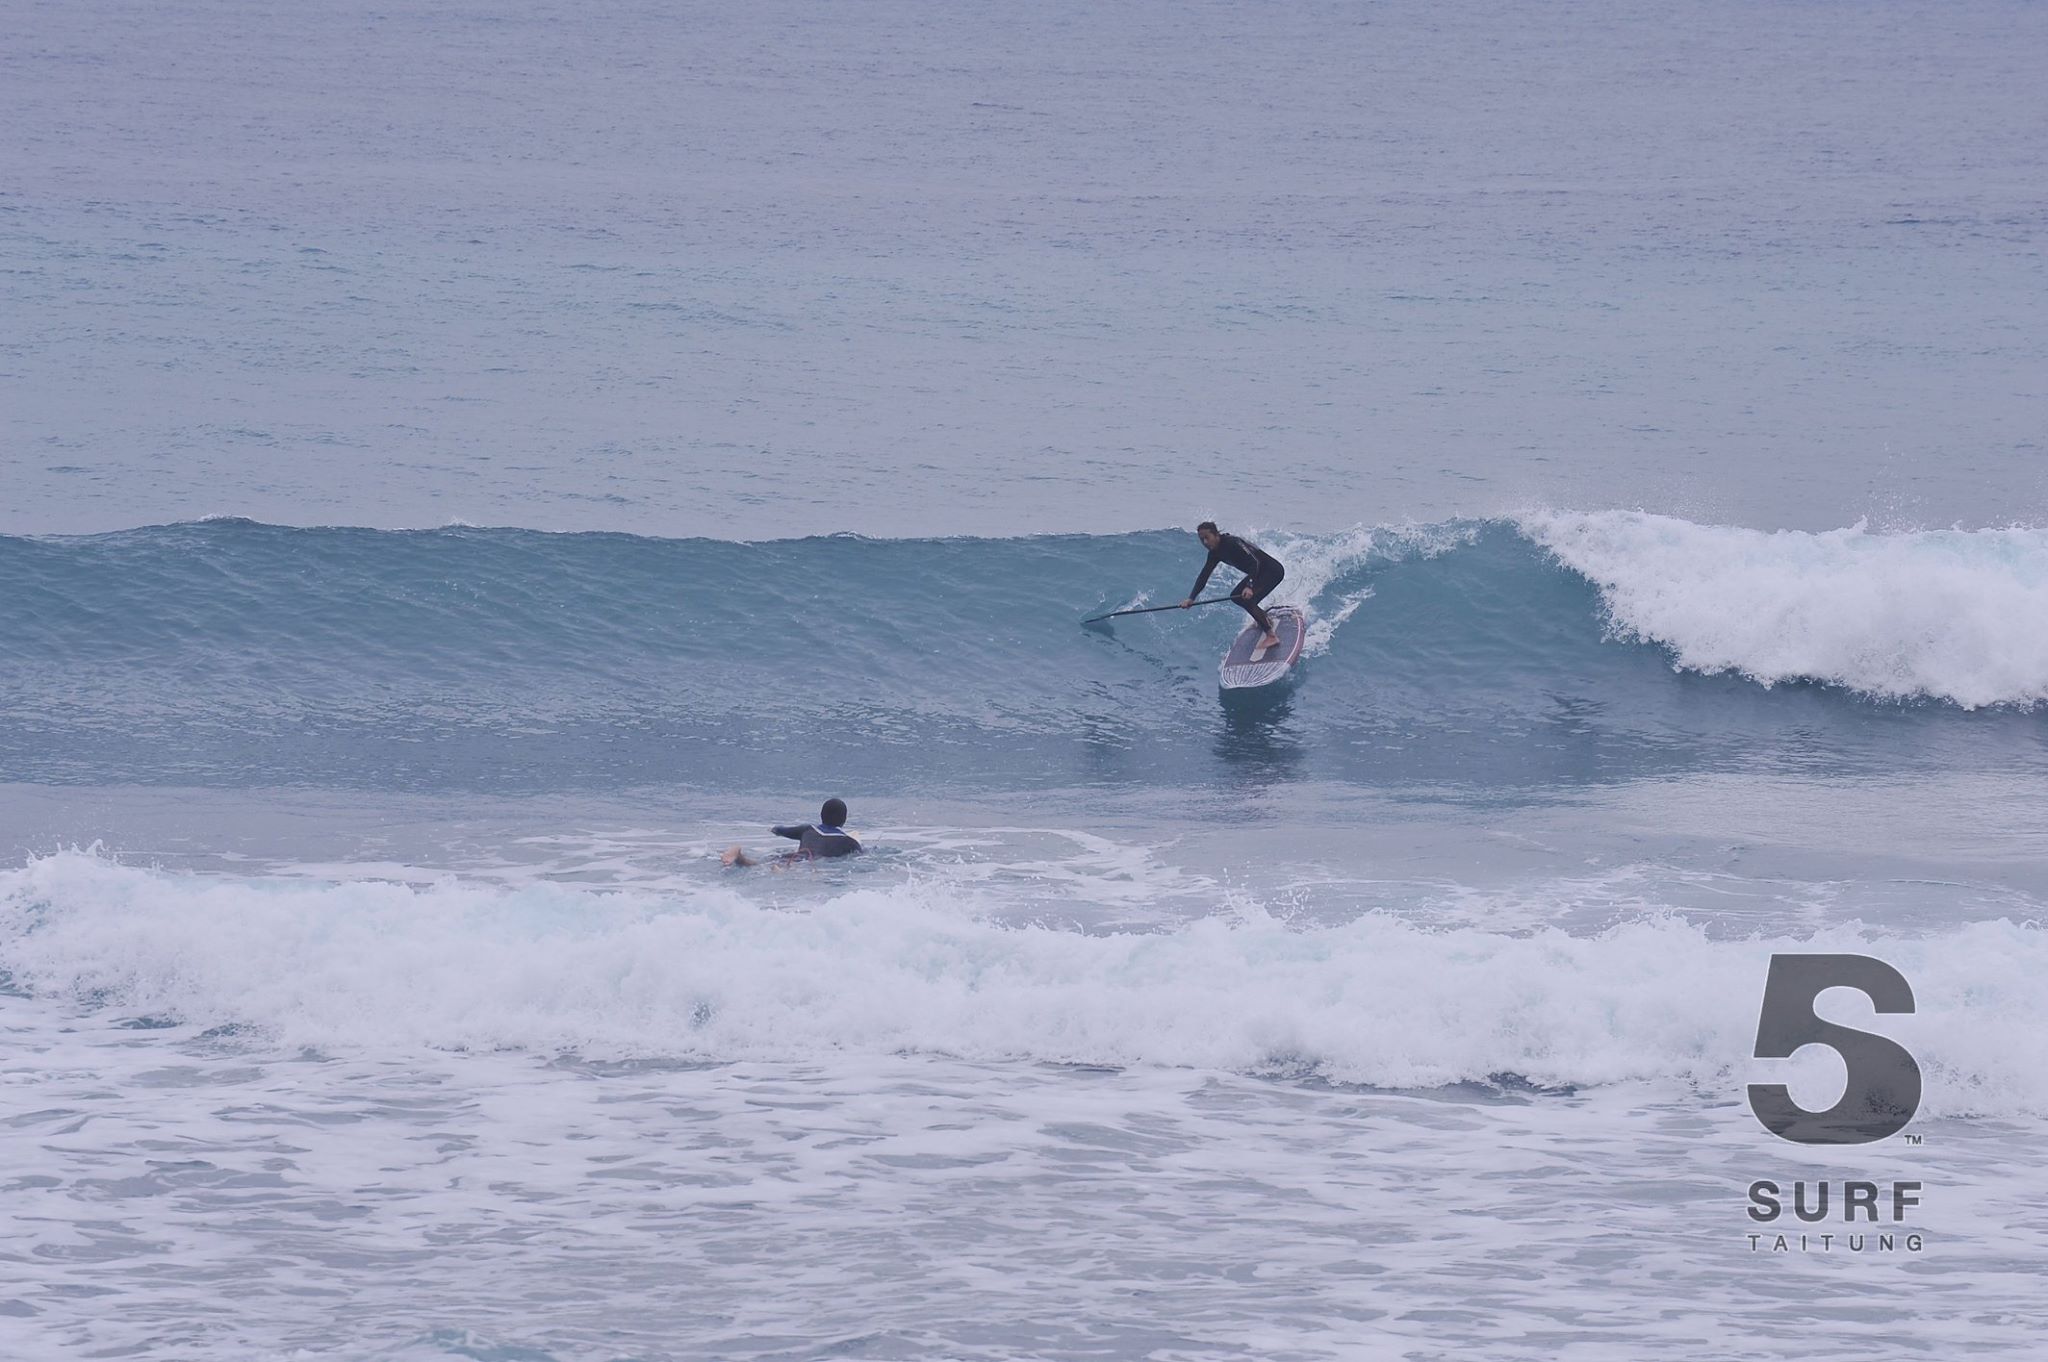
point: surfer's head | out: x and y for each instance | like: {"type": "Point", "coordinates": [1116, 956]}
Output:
{"type": "Point", "coordinates": [1207, 533]}
{"type": "Point", "coordinates": [833, 815]}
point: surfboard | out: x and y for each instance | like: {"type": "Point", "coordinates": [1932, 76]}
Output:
{"type": "Point", "coordinates": [1245, 666]}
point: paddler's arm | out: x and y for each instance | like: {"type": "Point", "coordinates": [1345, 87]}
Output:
{"type": "Point", "coordinates": [1202, 580]}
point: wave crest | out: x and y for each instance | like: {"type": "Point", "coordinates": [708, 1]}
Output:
{"type": "Point", "coordinates": [1958, 615]}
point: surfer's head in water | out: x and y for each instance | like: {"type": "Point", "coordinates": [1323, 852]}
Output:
{"type": "Point", "coordinates": [832, 814]}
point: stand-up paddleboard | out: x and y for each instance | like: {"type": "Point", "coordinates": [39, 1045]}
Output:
{"type": "Point", "coordinates": [1247, 665]}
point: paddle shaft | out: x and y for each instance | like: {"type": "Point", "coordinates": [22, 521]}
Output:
{"type": "Point", "coordinates": [1151, 610]}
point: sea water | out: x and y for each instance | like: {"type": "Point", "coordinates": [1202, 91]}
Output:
{"type": "Point", "coordinates": [466, 467]}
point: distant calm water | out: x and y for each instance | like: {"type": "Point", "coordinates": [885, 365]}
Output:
{"type": "Point", "coordinates": [785, 269]}
{"type": "Point", "coordinates": [1646, 404]}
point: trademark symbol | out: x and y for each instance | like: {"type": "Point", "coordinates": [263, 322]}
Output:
{"type": "Point", "coordinates": [1912, 1139]}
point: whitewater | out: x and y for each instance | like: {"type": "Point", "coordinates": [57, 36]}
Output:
{"type": "Point", "coordinates": [449, 1110]}
{"type": "Point", "coordinates": [923, 966]}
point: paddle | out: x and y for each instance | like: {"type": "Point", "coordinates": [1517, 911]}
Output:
{"type": "Point", "coordinates": [1150, 610]}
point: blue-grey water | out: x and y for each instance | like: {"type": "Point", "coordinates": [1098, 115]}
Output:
{"type": "Point", "coordinates": [461, 468]}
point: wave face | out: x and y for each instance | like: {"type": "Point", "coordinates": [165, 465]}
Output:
{"type": "Point", "coordinates": [705, 973]}
{"type": "Point", "coordinates": [1560, 647]}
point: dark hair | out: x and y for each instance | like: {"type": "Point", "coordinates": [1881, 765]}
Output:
{"type": "Point", "coordinates": [1208, 525]}
{"type": "Point", "coordinates": [833, 814]}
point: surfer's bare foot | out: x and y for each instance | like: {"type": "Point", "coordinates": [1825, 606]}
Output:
{"type": "Point", "coordinates": [734, 856]}
{"type": "Point", "coordinates": [1270, 641]}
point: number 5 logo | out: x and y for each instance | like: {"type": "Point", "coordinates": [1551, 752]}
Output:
{"type": "Point", "coordinates": [1883, 1090]}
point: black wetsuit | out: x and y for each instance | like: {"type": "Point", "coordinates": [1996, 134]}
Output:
{"type": "Point", "coordinates": [817, 841]}
{"type": "Point", "coordinates": [1262, 572]}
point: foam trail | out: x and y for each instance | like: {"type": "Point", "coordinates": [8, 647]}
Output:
{"type": "Point", "coordinates": [1316, 563]}
{"type": "Point", "coordinates": [708, 974]}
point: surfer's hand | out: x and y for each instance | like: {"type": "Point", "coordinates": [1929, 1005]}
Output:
{"type": "Point", "coordinates": [1245, 594]}
{"type": "Point", "coordinates": [1188, 602]}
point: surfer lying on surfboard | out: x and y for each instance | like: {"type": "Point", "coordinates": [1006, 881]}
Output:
{"type": "Point", "coordinates": [1262, 572]}
{"type": "Point", "coordinates": [826, 838]}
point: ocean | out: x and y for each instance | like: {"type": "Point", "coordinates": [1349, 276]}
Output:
{"type": "Point", "coordinates": [464, 467]}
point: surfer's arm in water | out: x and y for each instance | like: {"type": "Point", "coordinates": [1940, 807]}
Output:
{"type": "Point", "coordinates": [737, 856]}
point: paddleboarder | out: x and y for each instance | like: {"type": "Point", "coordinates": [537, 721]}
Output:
{"type": "Point", "coordinates": [1262, 573]}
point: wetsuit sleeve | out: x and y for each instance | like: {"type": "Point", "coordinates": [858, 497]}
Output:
{"type": "Point", "coordinates": [1207, 568]}
{"type": "Point", "coordinates": [793, 831]}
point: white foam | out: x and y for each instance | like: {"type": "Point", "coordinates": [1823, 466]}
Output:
{"type": "Point", "coordinates": [707, 973]}
{"type": "Point", "coordinates": [1959, 615]}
